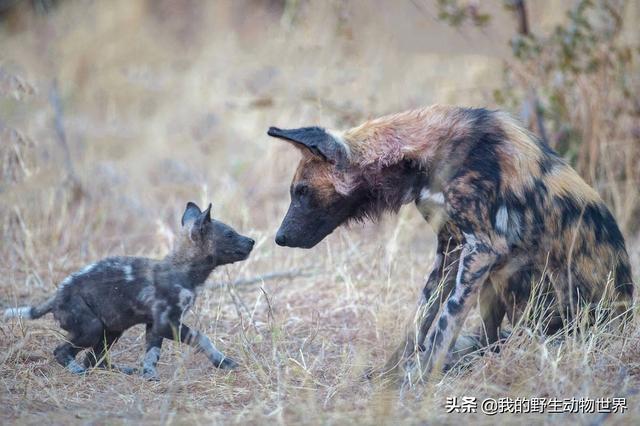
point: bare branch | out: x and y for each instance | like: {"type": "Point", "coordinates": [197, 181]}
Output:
{"type": "Point", "coordinates": [294, 273]}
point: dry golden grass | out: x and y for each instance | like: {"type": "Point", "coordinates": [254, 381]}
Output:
{"type": "Point", "coordinates": [162, 105]}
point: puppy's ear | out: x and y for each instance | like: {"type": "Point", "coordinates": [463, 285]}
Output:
{"type": "Point", "coordinates": [191, 213]}
{"type": "Point", "coordinates": [315, 140]}
{"type": "Point", "coordinates": [206, 215]}
{"type": "Point", "coordinates": [199, 225]}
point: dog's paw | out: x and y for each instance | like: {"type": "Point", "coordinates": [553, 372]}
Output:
{"type": "Point", "coordinates": [126, 369]}
{"type": "Point", "coordinates": [227, 364]}
{"type": "Point", "coordinates": [150, 375]}
{"type": "Point", "coordinates": [76, 368]}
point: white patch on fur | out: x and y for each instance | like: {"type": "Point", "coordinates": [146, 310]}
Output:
{"type": "Point", "coordinates": [437, 260]}
{"type": "Point", "coordinates": [74, 367]}
{"type": "Point", "coordinates": [471, 241]}
{"type": "Point", "coordinates": [502, 219]}
{"type": "Point", "coordinates": [68, 280]}
{"type": "Point", "coordinates": [186, 298]}
{"type": "Point", "coordinates": [128, 272]}
{"type": "Point", "coordinates": [23, 312]}
{"type": "Point", "coordinates": [435, 198]}
{"type": "Point", "coordinates": [431, 207]}
{"type": "Point", "coordinates": [86, 269]}
{"type": "Point", "coordinates": [147, 294]}
{"type": "Point", "coordinates": [164, 316]}
{"type": "Point", "coordinates": [460, 271]}
{"type": "Point", "coordinates": [337, 136]}
{"type": "Point", "coordinates": [151, 359]}
{"type": "Point", "coordinates": [470, 247]}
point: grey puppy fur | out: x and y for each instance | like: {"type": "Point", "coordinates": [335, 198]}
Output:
{"type": "Point", "coordinates": [96, 304]}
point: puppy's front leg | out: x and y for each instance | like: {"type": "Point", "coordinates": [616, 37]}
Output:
{"type": "Point", "coordinates": [152, 355]}
{"type": "Point", "coordinates": [201, 342]}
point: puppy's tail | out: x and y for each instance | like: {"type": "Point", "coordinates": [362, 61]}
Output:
{"type": "Point", "coordinates": [30, 312]}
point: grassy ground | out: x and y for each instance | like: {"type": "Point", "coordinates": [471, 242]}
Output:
{"type": "Point", "coordinates": [165, 104]}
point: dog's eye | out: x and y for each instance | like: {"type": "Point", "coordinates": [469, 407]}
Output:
{"type": "Point", "coordinates": [228, 235]}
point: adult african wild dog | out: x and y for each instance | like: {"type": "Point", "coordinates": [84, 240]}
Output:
{"type": "Point", "coordinates": [98, 303]}
{"type": "Point", "coordinates": [508, 212]}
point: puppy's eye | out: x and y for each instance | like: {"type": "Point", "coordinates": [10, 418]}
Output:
{"type": "Point", "coordinates": [228, 235]}
{"type": "Point", "coordinates": [301, 190]}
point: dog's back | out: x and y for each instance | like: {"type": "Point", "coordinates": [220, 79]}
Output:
{"type": "Point", "coordinates": [111, 289]}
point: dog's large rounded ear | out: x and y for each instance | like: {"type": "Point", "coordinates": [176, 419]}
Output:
{"type": "Point", "coordinates": [191, 213]}
{"type": "Point", "coordinates": [315, 140]}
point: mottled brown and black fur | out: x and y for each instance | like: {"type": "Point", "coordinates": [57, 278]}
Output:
{"type": "Point", "coordinates": [98, 303]}
{"type": "Point", "coordinates": [509, 212]}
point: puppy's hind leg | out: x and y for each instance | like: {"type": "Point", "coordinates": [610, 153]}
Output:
{"type": "Point", "coordinates": [99, 354]}
{"type": "Point", "coordinates": [65, 354]}
{"type": "Point", "coordinates": [83, 335]}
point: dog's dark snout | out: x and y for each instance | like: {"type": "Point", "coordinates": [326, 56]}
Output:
{"type": "Point", "coordinates": [281, 240]}
{"type": "Point", "coordinates": [251, 241]}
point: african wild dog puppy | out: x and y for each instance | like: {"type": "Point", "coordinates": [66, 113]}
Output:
{"type": "Point", "coordinates": [508, 212]}
{"type": "Point", "coordinates": [98, 303]}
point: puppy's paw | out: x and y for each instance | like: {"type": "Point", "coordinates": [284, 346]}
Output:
{"type": "Point", "coordinates": [125, 369]}
{"type": "Point", "coordinates": [76, 368]}
{"type": "Point", "coordinates": [227, 364]}
{"type": "Point", "coordinates": [150, 375]}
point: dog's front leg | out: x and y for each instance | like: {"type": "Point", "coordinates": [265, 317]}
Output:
{"type": "Point", "coordinates": [176, 330]}
{"type": "Point", "coordinates": [202, 343]}
{"type": "Point", "coordinates": [152, 355]}
{"type": "Point", "coordinates": [440, 282]}
{"type": "Point", "coordinates": [476, 261]}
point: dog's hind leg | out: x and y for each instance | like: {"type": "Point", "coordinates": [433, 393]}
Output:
{"type": "Point", "coordinates": [65, 354]}
{"type": "Point", "coordinates": [492, 311]}
{"type": "Point", "coordinates": [85, 334]}
{"type": "Point", "coordinates": [98, 356]}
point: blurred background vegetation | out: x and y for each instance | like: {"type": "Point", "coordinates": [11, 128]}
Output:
{"type": "Point", "coordinates": [568, 69]}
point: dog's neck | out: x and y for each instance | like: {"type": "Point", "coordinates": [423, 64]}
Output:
{"type": "Point", "coordinates": [415, 135]}
{"type": "Point", "coordinates": [190, 272]}
{"type": "Point", "coordinates": [399, 155]}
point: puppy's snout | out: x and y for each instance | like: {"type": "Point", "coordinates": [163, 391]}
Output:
{"type": "Point", "coordinates": [281, 240]}
{"type": "Point", "coordinates": [248, 244]}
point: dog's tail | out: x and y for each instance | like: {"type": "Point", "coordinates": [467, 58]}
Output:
{"type": "Point", "coordinates": [30, 312]}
